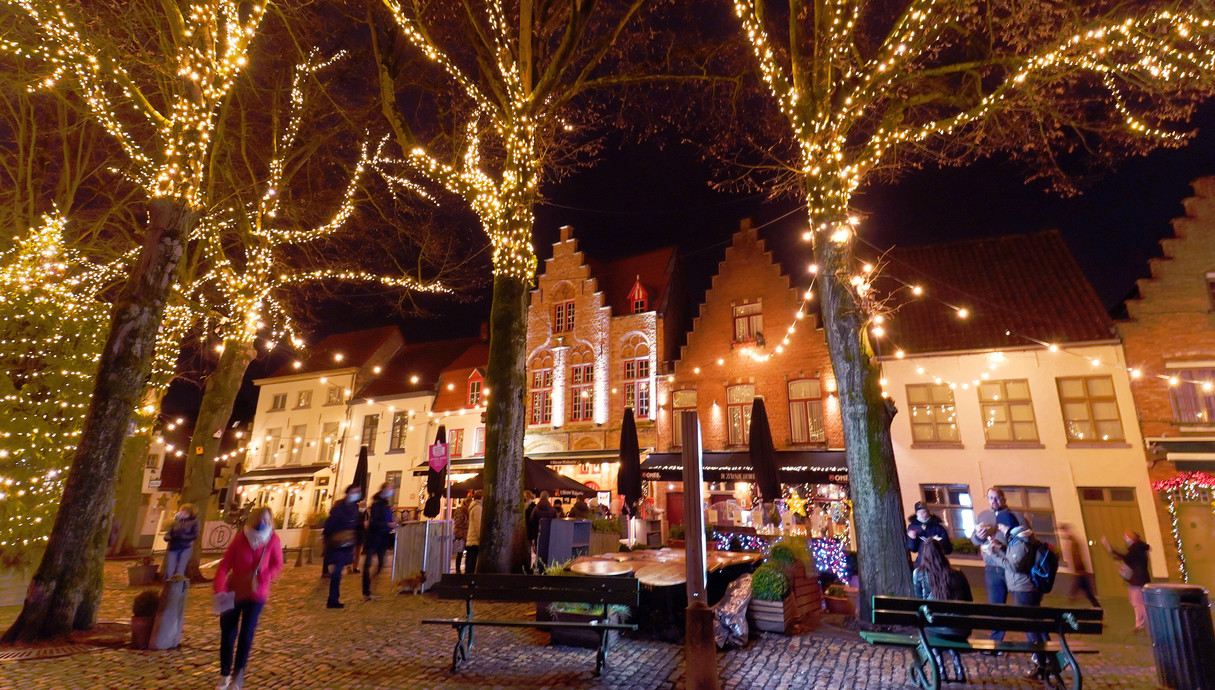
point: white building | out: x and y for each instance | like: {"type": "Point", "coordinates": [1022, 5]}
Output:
{"type": "Point", "coordinates": [1008, 373]}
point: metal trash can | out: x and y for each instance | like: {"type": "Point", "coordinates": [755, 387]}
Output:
{"type": "Point", "coordinates": [1183, 638]}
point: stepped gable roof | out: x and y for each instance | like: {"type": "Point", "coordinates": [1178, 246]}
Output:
{"type": "Point", "coordinates": [475, 356]}
{"type": "Point", "coordinates": [356, 348]}
{"type": "Point", "coordinates": [423, 360]}
{"type": "Point", "coordinates": [1015, 287]}
{"type": "Point", "coordinates": [616, 278]}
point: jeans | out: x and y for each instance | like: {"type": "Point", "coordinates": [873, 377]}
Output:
{"type": "Point", "coordinates": [1083, 582]}
{"type": "Point", "coordinates": [246, 614]}
{"type": "Point", "coordinates": [1135, 595]}
{"type": "Point", "coordinates": [458, 547]}
{"type": "Point", "coordinates": [340, 558]}
{"type": "Point", "coordinates": [1032, 598]}
{"type": "Point", "coordinates": [997, 592]}
{"type": "Point", "coordinates": [176, 562]}
{"type": "Point", "coordinates": [470, 565]}
{"type": "Point", "coordinates": [370, 550]}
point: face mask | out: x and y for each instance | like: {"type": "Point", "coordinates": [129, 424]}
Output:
{"type": "Point", "coordinates": [387, 495]}
{"type": "Point", "coordinates": [262, 528]}
{"type": "Point", "coordinates": [354, 498]}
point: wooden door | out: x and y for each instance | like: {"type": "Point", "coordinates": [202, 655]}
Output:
{"type": "Point", "coordinates": [1108, 512]}
{"type": "Point", "coordinates": [1196, 526]}
{"type": "Point", "coordinates": [675, 507]}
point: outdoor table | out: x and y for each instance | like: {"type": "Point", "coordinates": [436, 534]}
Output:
{"type": "Point", "coordinates": [663, 574]}
{"type": "Point", "coordinates": [596, 567]}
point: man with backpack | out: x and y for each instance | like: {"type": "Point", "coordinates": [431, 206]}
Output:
{"type": "Point", "coordinates": [1029, 569]}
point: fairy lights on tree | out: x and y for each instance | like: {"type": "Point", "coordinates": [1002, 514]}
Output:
{"type": "Point", "coordinates": [865, 93]}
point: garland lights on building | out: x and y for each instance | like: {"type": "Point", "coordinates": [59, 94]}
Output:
{"type": "Point", "coordinates": [1188, 487]}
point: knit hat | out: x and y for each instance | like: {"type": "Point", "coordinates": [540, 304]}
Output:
{"type": "Point", "coordinates": [1006, 517]}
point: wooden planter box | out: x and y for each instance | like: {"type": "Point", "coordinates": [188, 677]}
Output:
{"type": "Point", "coordinates": [807, 595]}
{"type": "Point", "coordinates": [140, 575]}
{"type": "Point", "coordinates": [603, 542]}
{"type": "Point", "coordinates": [842, 605]}
{"type": "Point", "coordinates": [581, 637]}
{"type": "Point", "coordinates": [773, 616]}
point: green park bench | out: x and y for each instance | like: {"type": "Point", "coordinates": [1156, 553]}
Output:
{"type": "Point", "coordinates": [582, 589]}
{"type": "Point", "coordinates": [926, 672]}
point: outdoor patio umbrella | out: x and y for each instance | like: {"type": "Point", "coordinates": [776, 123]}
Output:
{"type": "Point", "coordinates": [435, 480]}
{"type": "Point", "coordinates": [537, 477]}
{"type": "Point", "coordinates": [763, 453]}
{"type": "Point", "coordinates": [628, 479]}
{"type": "Point", "coordinates": [360, 470]}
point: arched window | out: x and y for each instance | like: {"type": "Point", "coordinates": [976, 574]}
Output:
{"type": "Point", "coordinates": [563, 308]}
{"type": "Point", "coordinates": [739, 400]}
{"type": "Point", "coordinates": [541, 388]}
{"type": "Point", "coordinates": [582, 384]}
{"type": "Point", "coordinates": [635, 353]}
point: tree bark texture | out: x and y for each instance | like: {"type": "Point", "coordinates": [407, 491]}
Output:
{"type": "Point", "coordinates": [130, 488]}
{"type": "Point", "coordinates": [63, 592]}
{"type": "Point", "coordinates": [214, 411]}
{"type": "Point", "coordinates": [872, 476]}
{"type": "Point", "coordinates": [503, 533]}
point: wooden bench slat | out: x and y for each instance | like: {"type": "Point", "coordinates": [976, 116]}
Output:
{"type": "Point", "coordinates": [542, 595]}
{"type": "Point", "coordinates": [577, 582]}
{"type": "Point", "coordinates": [980, 645]}
{"type": "Point", "coordinates": [594, 625]}
{"type": "Point", "coordinates": [985, 609]}
{"type": "Point", "coordinates": [1016, 624]}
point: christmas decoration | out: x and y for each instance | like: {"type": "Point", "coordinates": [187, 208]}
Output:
{"type": "Point", "coordinates": [1189, 487]}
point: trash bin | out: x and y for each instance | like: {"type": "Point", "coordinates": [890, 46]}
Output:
{"type": "Point", "coordinates": [1183, 638]}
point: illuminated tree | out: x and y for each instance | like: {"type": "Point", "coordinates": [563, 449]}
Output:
{"type": "Point", "coordinates": [508, 84]}
{"type": "Point", "coordinates": [156, 90]}
{"type": "Point", "coordinates": [866, 89]}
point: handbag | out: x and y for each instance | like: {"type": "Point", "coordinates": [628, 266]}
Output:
{"type": "Point", "coordinates": [1125, 571]}
{"type": "Point", "coordinates": [243, 586]}
{"type": "Point", "coordinates": [223, 602]}
{"type": "Point", "coordinates": [342, 539]}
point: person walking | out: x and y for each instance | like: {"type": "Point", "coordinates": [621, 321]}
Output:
{"type": "Point", "coordinates": [1017, 559]}
{"type": "Point", "coordinates": [341, 536]}
{"type": "Point", "coordinates": [923, 526]}
{"type": "Point", "coordinates": [381, 531]}
{"type": "Point", "coordinates": [1135, 569]}
{"type": "Point", "coordinates": [544, 514]}
{"type": "Point", "coordinates": [459, 518]}
{"type": "Point", "coordinates": [181, 538]}
{"type": "Point", "coordinates": [251, 562]}
{"type": "Point", "coordinates": [987, 531]}
{"type": "Point", "coordinates": [472, 542]}
{"type": "Point", "coordinates": [1082, 576]}
{"type": "Point", "coordinates": [934, 578]}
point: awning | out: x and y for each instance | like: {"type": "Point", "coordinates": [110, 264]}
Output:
{"type": "Point", "coordinates": [275, 475]}
{"type": "Point", "coordinates": [458, 466]}
{"type": "Point", "coordinates": [576, 457]}
{"type": "Point", "coordinates": [1188, 454]}
{"type": "Point", "coordinates": [795, 467]}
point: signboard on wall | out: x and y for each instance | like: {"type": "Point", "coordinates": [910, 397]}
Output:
{"type": "Point", "coordinates": [438, 457]}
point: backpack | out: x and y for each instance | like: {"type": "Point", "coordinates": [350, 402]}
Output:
{"type": "Point", "coordinates": [1046, 566]}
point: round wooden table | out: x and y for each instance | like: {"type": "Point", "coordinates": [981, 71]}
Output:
{"type": "Point", "coordinates": [601, 568]}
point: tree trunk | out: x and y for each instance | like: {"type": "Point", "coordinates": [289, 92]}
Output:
{"type": "Point", "coordinates": [64, 591]}
{"type": "Point", "coordinates": [130, 489]}
{"type": "Point", "coordinates": [872, 476]}
{"type": "Point", "coordinates": [503, 533]}
{"type": "Point", "coordinates": [219, 395]}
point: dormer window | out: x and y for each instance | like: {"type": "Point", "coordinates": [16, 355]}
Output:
{"type": "Point", "coordinates": [638, 298]}
{"type": "Point", "coordinates": [475, 383]}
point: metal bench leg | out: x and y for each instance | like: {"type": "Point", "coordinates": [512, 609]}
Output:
{"type": "Point", "coordinates": [601, 655]}
{"type": "Point", "coordinates": [924, 670]}
{"type": "Point", "coordinates": [463, 645]}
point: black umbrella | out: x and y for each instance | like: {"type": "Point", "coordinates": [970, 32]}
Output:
{"type": "Point", "coordinates": [628, 479]}
{"type": "Point", "coordinates": [435, 481]}
{"type": "Point", "coordinates": [763, 453]}
{"type": "Point", "coordinates": [360, 470]}
{"type": "Point", "coordinates": [537, 477]}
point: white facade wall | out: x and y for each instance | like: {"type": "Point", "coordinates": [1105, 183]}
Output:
{"type": "Point", "coordinates": [382, 458]}
{"type": "Point", "coordinates": [1051, 462]}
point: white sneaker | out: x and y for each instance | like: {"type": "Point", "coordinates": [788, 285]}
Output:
{"type": "Point", "coordinates": [238, 680]}
{"type": "Point", "coordinates": [225, 683]}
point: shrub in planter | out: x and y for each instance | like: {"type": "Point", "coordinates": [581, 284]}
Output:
{"type": "Point", "coordinates": [606, 525]}
{"type": "Point", "coordinates": [964, 545]}
{"type": "Point", "coordinates": [838, 600]}
{"type": "Point", "coordinates": [142, 573]}
{"type": "Point", "coordinates": [771, 609]}
{"type": "Point", "coordinates": [143, 613]}
{"type": "Point", "coordinates": [769, 583]}
{"type": "Point", "coordinates": [578, 612]}
{"type": "Point", "coordinates": [677, 531]}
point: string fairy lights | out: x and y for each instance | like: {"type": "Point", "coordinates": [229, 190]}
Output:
{"type": "Point", "coordinates": [1187, 487]}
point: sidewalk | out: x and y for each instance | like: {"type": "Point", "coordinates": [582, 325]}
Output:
{"type": "Point", "coordinates": [379, 644]}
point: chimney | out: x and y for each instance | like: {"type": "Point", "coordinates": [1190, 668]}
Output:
{"type": "Point", "coordinates": [567, 232]}
{"type": "Point", "coordinates": [485, 331]}
{"type": "Point", "coordinates": [744, 225]}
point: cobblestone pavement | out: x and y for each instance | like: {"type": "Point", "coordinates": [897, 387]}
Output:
{"type": "Point", "coordinates": [379, 644]}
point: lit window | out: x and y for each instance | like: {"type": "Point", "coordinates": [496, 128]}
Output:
{"type": "Point", "coordinates": [479, 441]}
{"type": "Point", "coordinates": [739, 400]}
{"type": "Point", "coordinates": [371, 426]}
{"type": "Point", "coordinates": [334, 395]}
{"type": "Point", "coordinates": [748, 322]}
{"type": "Point", "coordinates": [1008, 413]}
{"type": "Point", "coordinates": [299, 440]}
{"type": "Point", "coordinates": [400, 429]}
{"type": "Point", "coordinates": [682, 402]}
{"type": "Point", "coordinates": [563, 316]}
{"type": "Point", "coordinates": [541, 390]}
{"type": "Point", "coordinates": [806, 411]}
{"type": "Point", "coordinates": [951, 503]}
{"type": "Point", "coordinates": [933, 418]}
{"type": "Point", "coordinates": [455, 442]}
{"type": "Point", "coordinates": [1034, 503]}
{"type": "Point", "coordinates": [1191, 403]}
{"type": "Point", "coordinates": [474, 390]}
{"type": "Point", "coordinates": [329, 442]}
{"type": "Point", "coordinates": [1090, 409]}
{"type": "Point", "coordinates": [636, 381]}
{"type": "Point", "coordinates": [270, 450]}
{"type": "Point", "coordinates": [304, 399]}
{"type": "Point", "coordinates": [582, 386]}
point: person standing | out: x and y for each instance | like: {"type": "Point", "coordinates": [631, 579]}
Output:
{"type": "Point", "coordinates": [341, 536]}
{"type": "Point", "coordinates": [472, 542]}
{"type": "Point", "coordinates": [923, 526]}
{"type": "Point", "coordinates": [933, 578]}
{"type": "Point", "coordinates": [544, 514]}
{"type": "Point", "coordinates": [987, 531]}
{"type": "Point", "coordinates": [581, 511]}
{"type": "Point", "coordinates": [1017, 559]}
{"type": "Point", "coordinates": [459, 518]}
{"type": "Point", "coordinates": [529, 500]}
{"type": "Point", "coordinates": [181, 538]}
{"type": "Point", "coordinates": [381, 531]}
{"type": "Point", "coordinates": [1082, 576]}
{"type": "Point", "coordinates": [1135, 569]}
{"type": "Point", "coordinates": [251, 562]}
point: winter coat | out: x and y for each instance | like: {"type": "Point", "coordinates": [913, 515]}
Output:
{"type": "Point", "coordinates": [241, 557]}
{"type": "Point", "coordinates": [459, 518]}
{"type": "Point", "coordinates": [543, 514]}
{"type": "Point", "coordinates": [959, 590]}
{"type": "Point", "coordinates": [1018, 559]}
{"type": "Point", "coordinates": [344, 516]}
{"type": "Point", "coordinates": [182, 534]}
{"type": "Point", "coordinates": [581, 511]}
{"type": "Point", "coordinates": [379, 527]}
{"type": "Point", "coordinates": [527, 520]}
{"type": "Point", "coordinates": [1136, 558]}
{"type": "Point", "coordinates": [932, 528]}
{"type": "Point", "coordinates": [990, 518]}
{"type": "Point", "coordinates": [474, 525]}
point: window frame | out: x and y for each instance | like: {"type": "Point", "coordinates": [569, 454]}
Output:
{"type": "Point", "coordinates": [330, 440]}
{"type": "Point", "coordinates": [952, 514]}
{"type": "Point", "coordinates": [636, 386]}
{"type": "Point", "coordinates": [1088, 402]}
{"type": "Point", "coordinates": [676, 411]}
{"type": "Point", "coordinates": [455, 443]}
{"type": "Point", "coordinates": [479, 441]}
{"type": "Point", "coordinates": [473, 391]}
{"type": "Point", "coordinates": [152, 461]}
{"type": "Point", "coordinates": [540, 392]}
{"type": "Point", "coordinates": [334, 396]}
{"type": "Point", "coordinates": [1006, 404]}
{"type": "Point", "coordinates": [933, 410]}
{"type": "Point", "coordinates": [806, 413]}
{"type": "Point", "coordinates": [272, 438]}
{"type": "Point", "coordinates": [750, 323]}
{"type": "Point", "coordinates": [1017, 499]}
{"type": "Point", "coordinates": [582, 392]}
{"type": "Point", "coordinates": [278, 402]}
{"type": "Point", "coordinates": [295, 448]}
{"type": "Point", "coordinates": [563, 316]}
{"type": "Point", "coordinates": [399, 431]}
{"type": "Point", "coordinates": [303, 399]}
{"type": "Point", "coordinates": [1200, 402]}
{"type": "Point", "coordinates": [736, 435]}
{"type": "Point", "coordinates": [370, 422]}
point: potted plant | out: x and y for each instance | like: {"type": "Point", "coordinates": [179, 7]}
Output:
{"type": "Point", "coordinates": [143, 613]}
{"type": "Point", "coordinates": [838, 600]}
{"type": "Point", "coordinates": [772, 609]}
{"type": "Point", "coordinates": [792, 556]}
{"type": "Point", "coordinates": [142, 573]}
{"type": "Point", "coordinates": [676, 540]}
{"type": "Point", "coordinates": [605, 536]}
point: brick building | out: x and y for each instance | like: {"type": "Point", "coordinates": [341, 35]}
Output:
{"type": "Point", "coordinates": [599, 335]}
{"type": "Point", "coordinates": [1169, 337]}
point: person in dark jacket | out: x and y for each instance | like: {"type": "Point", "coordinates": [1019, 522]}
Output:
{"type": "Point", "coordinates": [381, 531]}
{"type": "Point", "coordinates": [542, 515]}
{"type": "Point", "coordinates": [529, 499]}
{"type": "Point", "coordinates": [1135, 570]}
{"type": "Point", "coordinates": [459, 518]}
{"type": "Point", "coordinates": [581, 511]}
{"type": "Point", "coordinates": [933, 578]}
{"type": "Point", "coordinates": [924, 526]}
{"type": "Point", "coordinates": [341, 535]}
{"type": "Point", "coordinates": [181, 538]}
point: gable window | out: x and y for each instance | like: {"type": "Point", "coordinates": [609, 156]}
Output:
{"type": "Point", "coordinates": [474, 390]}
{"type": "Point", "coordinates": [636, 380]}
{"type": "Point", "coordinates": [278, 402]}
{"type": "Point", "coordinates": [371, 425]}
{"type": "Point", "coordinates": [541, 391]}
{"type": "Point", "coordinates": [1090, 409]}
{"type": "Point", "coordinates": [334, 395]}
{"type": "Point", "coordinates": [563, 316]}
{"type": "Point", "coordinates": [806, 411]}
{"type": "Point", "coordinates": [1193, 395]}
{"type": "Point", "coordinates": [682, 402]}
{"type": "Point", "coordinates": [400, 429]}
{"type": "Point", "coordinates": [479, 441]}
{"type": "Point", "coordinates": [270, 452]}
{"type": "Point", "coordinates": [748, 322]}
{"type": "Point", "coordinates": [1008, 413]}
{"type": "Point", "coordinates": [953, 504]}
{"type": "Point", "coordinates": [739, 400]}
{"type": "Point", "coordinates": [582, 386]}
{"type": "Point", "coordinates": [933, 417]}
{"type": "Point", "coordinates": [639, 306]}
{"type": "Point", "coordinates": [455, 442]}
{"type": "Point", "coordinates": [304, 399]}
{"type": "Point", "coordinates": [638, 298]}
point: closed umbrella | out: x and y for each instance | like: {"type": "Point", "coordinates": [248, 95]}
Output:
{"type": "Point", "coordinates": [360, 470]}
{"type": "Point", "coordinates": [436, 480]}
{"type": "Point", "coordinates": [628, 479]}
{"type": "Point", "coordinates": [763, 453]}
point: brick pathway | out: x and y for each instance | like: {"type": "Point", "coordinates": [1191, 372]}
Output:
{"type": "Point", "coordinates": [378, 644]}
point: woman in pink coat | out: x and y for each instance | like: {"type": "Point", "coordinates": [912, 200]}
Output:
{"type": "Point", "coordinates": [252, 561]}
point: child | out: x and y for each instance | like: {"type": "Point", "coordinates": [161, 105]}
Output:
{"type": "Point", "coordinates": [181, 538]}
